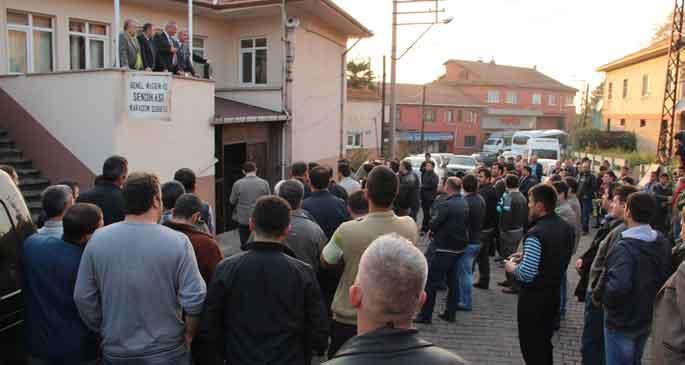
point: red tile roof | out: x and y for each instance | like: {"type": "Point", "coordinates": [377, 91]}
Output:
{"type": "Point", "coordinates": [225, 108]}
{"type": "Point", "coordinates": [364, 94]}
{"type": "Point", "coordinates": [435, 95]}
{"type": "Point", "coordinates": [654, 50]}
{"type": "Point", "coordinates": [487, 73]}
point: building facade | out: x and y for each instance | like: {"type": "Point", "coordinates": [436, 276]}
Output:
{"type": "Point", "coordinates": [363, 118]}
{"type": "Point", "coordinates": [634, 93]}
{"type": "Point", "coordinates": [276, 95]}
{"type": "Point", "coordinates": [515, 98]}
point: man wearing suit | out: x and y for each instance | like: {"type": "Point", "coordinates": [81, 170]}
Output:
{"type": "Point", "coordinates": [129, 49]}
{"type": "Point", "coordinates": [147, 48]}
{"type": "Point", "coordinates": [184, 63]}
{"type": "Point", "coordinates": [167, 49]}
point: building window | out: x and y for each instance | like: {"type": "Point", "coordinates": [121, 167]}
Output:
{"type": "Point", "coordinates": [623, 123]}
{"type": "Point", "coordinates": [512, 97]}
{"type": "Point", "coordinates": [470, 117]}
{"type": "Point", "coordinates": [354, 140]}
{"type": "Point", "coordinates": [460, 116]}
{"type": "Point", "coordinates": [199, 47]}
{"type": "Point", "coordinates": [429, 115]}
{"type": "Point", "coordinates": [30, 42]}
{"type": "Point", "coordinates": [625, 88]}
{"type": "Point", "coordinates": [493, 96]}
{"type": "Point", "coordinates": [537, 99]}
{"type": "Point", "coordinates": [643, 123]}
{"type": "Point", "coordinates": [552, 99]}
{"type": "Point", "coordinates": [570, 100]}
{"type": "Point", "coordinates": [610, 90]}
{"type": "Point", "coordinates": [469, 141]}
{"type": "Point", "coordinates": [646, 90]}
{"type": "Point", "coordinates": [253, 61]}
{"type": "Point", "coordinates": [449, 116]}
{"type": "Point", "coordinates": [88, 45]}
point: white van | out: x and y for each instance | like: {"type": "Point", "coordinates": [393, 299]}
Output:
{"type": "Point", "coordinates": [548, 151]}
{"type": "Point", "coordinates": [520, 141]}
{"type": "Point", "coordinates": [498, 142]}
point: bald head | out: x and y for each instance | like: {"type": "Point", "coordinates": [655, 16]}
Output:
{"type": "Point", "coordinates": [390, 260]}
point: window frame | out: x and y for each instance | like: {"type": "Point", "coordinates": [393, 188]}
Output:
{"type": "Point", "coordinates": [610, 91]}
{"type": "Point", "coordinates": [429, 115]}
{"type": "Point", "coordinates": [622, 122]}
{"type": "Point", "coordinates": [570, 100]}
{"type": "Point", "coordinates": [29, 29]}
{"type": "Point", "coordinates": [470, 138]}
{"type": "Point", "coordinates": [646, 85]}
{"type": "Point", "coordinates": [493, 100]}
{"type": "Point", "coordinates": [449, 116]}
{"type": "Point", "coordinates": [536, 97]}
{"type": "Point", "coordinates": [551, 100]}
{"type": "Point", "coordinates": [88, 36]}
{"type": "Point", "coordinates": [643, 123]}
{"type": "Point", "coordinates": [512, 97]}
{"type": "Point", "coordinates": [357, 137]}
{"type": "Point", "coordinates": [626, 85]}
{"type": "Point", "coordinates": [253, 51]}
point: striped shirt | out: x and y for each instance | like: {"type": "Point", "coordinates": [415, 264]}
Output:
{"type": "Point", "coordinates": [528, 269]}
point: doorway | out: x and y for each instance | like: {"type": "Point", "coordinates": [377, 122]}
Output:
{"type": "Point", "coordinates": [235, 156]}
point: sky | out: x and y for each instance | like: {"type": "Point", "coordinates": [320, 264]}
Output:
{"type": "Point", "coordinates": [566, 40]}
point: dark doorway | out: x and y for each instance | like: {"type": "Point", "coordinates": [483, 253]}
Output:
{"type": "Point", "coordinates": [235, 156]}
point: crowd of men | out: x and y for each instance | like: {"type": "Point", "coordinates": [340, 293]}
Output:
{"type": "Point", "coordinates": [130, 271]}
{"type": "Point", "coordinates": [166, 51]}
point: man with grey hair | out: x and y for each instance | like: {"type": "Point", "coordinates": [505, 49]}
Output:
{"type": "Point", "coordinates": [56, 200]}
{"type": "Point", "coordinates": [385, 309]}
{"type": "Point", "coordinates": [167, 48]}
{"type": "Point", "coordinates": [130, 55]}
{"type": "Point", "coordinates": [305, 237]}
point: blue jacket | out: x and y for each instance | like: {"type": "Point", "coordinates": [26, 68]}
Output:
{"type": "Point", "coordinates": [637, 267]}
{"type": "Point", "coordinates": [450, 224]}
{"type": "Point", "coordinates": [328, 211]}
{"type": "Point", "coordinates": [54, 330]}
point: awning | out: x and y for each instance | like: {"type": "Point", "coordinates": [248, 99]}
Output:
{"type": "Point", "coordinates": [232, 112]}
{"type": "Point", "coordinates": [514, 112]}
{"type": "Point", "coordinates": [427, 136]}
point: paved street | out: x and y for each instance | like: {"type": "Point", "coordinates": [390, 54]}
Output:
{"type": "Point", "coordinates": [488, 334]}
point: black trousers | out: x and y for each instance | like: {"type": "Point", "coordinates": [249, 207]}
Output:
{"type": "Point", "coordinates": [537, 310]}
{"type": "Point", "coordinates": [426, 207]}
{"type": "Point", "coordinates": [487, 238]}
{"type": "Point", "coordinates": [340, 333]}
{"type": "Point", "coordinates": [244, 233]}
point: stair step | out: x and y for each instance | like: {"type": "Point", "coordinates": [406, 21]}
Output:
{"type": "Point", "coordinates": [10, 152]}
{"type": "Point", "coordinates": [28, 173]}
{"type": "Point", "coordinates": [34, 207]}
{"type": "Point", "coordinates": [32, 194]}
{"type": "Point", "coordinates": [16, 162]}
{"type": "Point", "coordinates": [33, 183]}
{"type": "Point", "coordinates": [3, 132]}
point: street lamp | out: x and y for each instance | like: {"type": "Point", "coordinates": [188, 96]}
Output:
{"type": "Point", "coordinates": [394, 59]}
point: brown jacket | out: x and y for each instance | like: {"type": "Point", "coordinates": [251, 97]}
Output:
{"type": "Point", "coordinates": [206, 248]}
{"type": "Point", "coordinates": [669, 321]}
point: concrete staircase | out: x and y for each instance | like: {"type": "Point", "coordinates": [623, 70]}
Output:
{"type": "Point", "coordinates": [31, 182]}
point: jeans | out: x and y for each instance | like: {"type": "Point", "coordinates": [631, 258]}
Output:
{"type": "Point", "coordinates": [487, 239]}
{"type": "Point", "coordinates": [592, 344]}
{"type": "Point", "coordinates": [676, 229]}
{"type": "Point", "coordinates": [622, 348]}
{"type": "Point", "coordinates": [586, 212]}
{"type": "Point", "coordinates": [440, 264]}
{"type": "Point", "coordinates": [178, 356]}
{"type": "Point", "coordinates": [464, 275]}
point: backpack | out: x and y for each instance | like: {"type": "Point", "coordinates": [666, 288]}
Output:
{"type": "Point", "coordinates": [669, 321]}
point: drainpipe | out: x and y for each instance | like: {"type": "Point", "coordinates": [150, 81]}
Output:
{"type": "Point", "coordinates": [117, 25]}
{"type": "Point", "coordinates": [343, 94]}
{"type": "Point", "coordinates": [287, 126]}
{"type": "Point", "coordinates": [190, 29]}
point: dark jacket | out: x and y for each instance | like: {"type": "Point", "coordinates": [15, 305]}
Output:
{"type": "Point", "coordinates": [109, 198]}
{"type": "Point", "coordinates": [207, 252]}
{"type": "Point", "coordinates": [637, 267]}
{"type": "Point", "coordinates": [476, 216]}
{"type": "Point", "coordinates": [661, 218]}
{"type": "Point", "coordinates": [537, 170]}
{"type": "Point", "coordinates": [491, 198]}
{"type": "Point", "coordinates": [147, 50]}
{"type": "Point", "coordinates": [589, 255]}
{"type": "Point", "coordinates": [307, 189]}
{"type": "Point", "coordinates": [556, 239]}
{"type": "Point", "coordinates": [408, 195]}
{"type": "Point", "coordinates": [513, 209]}
{"type": "Point", "coordinates": [327, 210]}
{"type": "Point", "coordinates": [392, 346]}
{"type": "Point", "coordinates": [184, 57]}
{"type": "Point", "coordinates": [526, 184]}
{"type": "Point", "coordinates": [429, 186]}
{"type": "Point", "coordinates": [587, 185]}
{"type": "Point", "coordinates": [164, 58]}
{"type": "Point", "coordinates": [449, 224]}
{"type": "Point", "coordinates": [258, 316]}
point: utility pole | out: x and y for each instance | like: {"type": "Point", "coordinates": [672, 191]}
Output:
{"type": "Point", "coordinates": [394, 58]}
{"type": "Point", "coordinates": [423, 118]}
{"type": "Point", "coordinates": [587, 103]}
{"type": "Point", "coordinates": [384, 128]}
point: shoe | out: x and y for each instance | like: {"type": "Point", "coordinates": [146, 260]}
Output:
{"type": "Point", "coordinates": [509, 291]}
{"type": "Point", "coordinates": [422, 320]}
{"type": "Point", "coordinates": [481, 286]}
{"type": "Point", "coordinates": [505, 283]}
{"type": "Point", "coordinates": [447, 318]}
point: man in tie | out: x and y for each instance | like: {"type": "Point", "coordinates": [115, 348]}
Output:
{"type": "Point", "coordinates": [147, 48]}
{"type": "Point", "coordinates": [185, 65]}
{"type": "Point", "coordinates": [129, 48]}
{"type": "Point", "coordinates": [167, 48]}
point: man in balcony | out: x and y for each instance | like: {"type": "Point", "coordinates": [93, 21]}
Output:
{"type": "Point", "coordinates": [147, 47]}
{"type": "Point", "coordinates": [167, 48]}
{"type": "Point", "coordinates": [185, 59]}
{"type": "Point", "coordinates": [130, 55]}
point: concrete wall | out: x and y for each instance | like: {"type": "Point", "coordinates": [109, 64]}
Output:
{"type": "Point", "coordinates": [362, 116]}
{"type": "Point", "coordinates": [316, 92]}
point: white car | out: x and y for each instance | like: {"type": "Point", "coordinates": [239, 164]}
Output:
{"type": "Point", "coordinates": [438, 159]}
{"type": "Point", "coordinates": [461, 165]}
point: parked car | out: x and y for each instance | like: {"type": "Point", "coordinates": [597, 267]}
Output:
{"type": "Point", "coordinates": [439, 161]}
{"type": "Point", "coordinates": [15, 226]}
{"type": "Point", "coordinates": [460, 165]}
{"type": "Point", "coordinates": [487, 158]}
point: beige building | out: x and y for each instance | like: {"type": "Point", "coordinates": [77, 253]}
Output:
{"type": "Point", "coordinates": [276, 95]}
{"type": "Point", "coordinates": [634, 93]}
{"type": "Point", "coordinates": [363, 122]}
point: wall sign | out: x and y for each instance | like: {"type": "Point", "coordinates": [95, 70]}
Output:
{"type": "Point", "coordinates": [148, 96]}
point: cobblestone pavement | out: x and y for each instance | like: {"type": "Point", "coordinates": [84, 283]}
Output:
{"type": "Point", "coordinates": [489, 334]}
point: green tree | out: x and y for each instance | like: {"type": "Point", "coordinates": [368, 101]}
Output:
{"type": "Point", "coordinates": [664, 30]}
{"type": "Point", "coordinates": [596, 96]}
{"type": "Point", "coordinates": [360, 75]}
